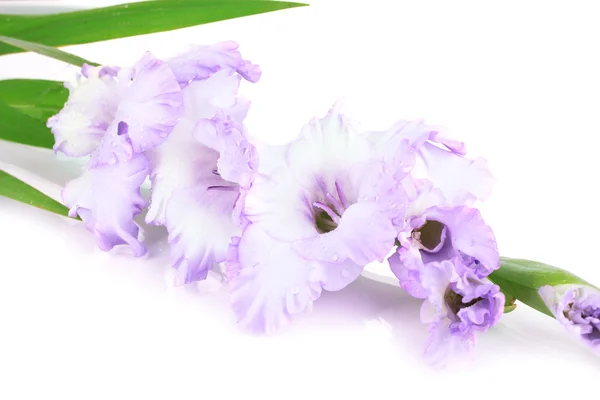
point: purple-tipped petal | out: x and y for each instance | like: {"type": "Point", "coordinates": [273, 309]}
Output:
{"type": "Point", "coordinates": [269, 282]}
{"type": "Point", "coordinates": [203, 61]}
{"type": "Point", "coordinates": [107, 198]}
{"type": "Point", "coordinates": [200, 226]}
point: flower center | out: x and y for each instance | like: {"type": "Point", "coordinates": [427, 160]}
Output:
{"type": "Point", "coordinates": [431, 236]}
{"type": "Point", "coordinates": [328, 212]}
{"type": "Point", "coordinates": [454, 301]}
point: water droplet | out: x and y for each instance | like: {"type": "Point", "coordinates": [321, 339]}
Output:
{"type": "Point", "coordinates": [295, 290]}
{"type": "Point", "coordinates": [345, 273]}
{"type": "Point", "coordinates": [164, 134]}
{"type": "Point", "coordinates": [334, 257]}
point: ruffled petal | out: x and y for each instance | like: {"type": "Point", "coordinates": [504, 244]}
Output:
{"type": "Point", "coordinates": [470, 235]}
{"type": "Point", "coordinates": [200, 226]}
{"type": "Point", "coordinates": [238, 158]}
{"type": "Point", "coordinates": [107, 198]}
{"type": "Point", "coordinates": [93, 99]}
{"type": "Point", "coordinates": [270, 282]}
{"type": "Point", "coordinates": [406, 264]}
{"type": "Point", "coordinates": [151, 103]}
{"type": "Point", "coordinates": [179, 163]}
{"type": "Point", "coordinates": [203, 61]}
{"type": "Point", "coordinates": [461, 180]}
{"type": "Point", "coordinates": [279, 205]}
{"type": "Point", "coordinates": [326, 148]}
{"type": "Point", "coordinates": [203, 99]}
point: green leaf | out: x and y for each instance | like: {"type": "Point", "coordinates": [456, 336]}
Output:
{"type": "Point", "coordinates": [15, 189]}
{"type": "Point", "coordinates": [534, 274]}
{"type": "Point", "coordinates": [18, 127]}
{"type": "Point", "coordinates": [127, 20]}
{"type": "Point", "coordinates": [44, 50]}
{"type": "Point", "coordinates": [39, 99]}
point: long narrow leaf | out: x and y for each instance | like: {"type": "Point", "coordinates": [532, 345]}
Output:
{"type": "Point", "coordinates": [127, 20]}
{"type": "Point", "coordinates": [45, 51]}
{"type": "Point", "coordinates": [21, 128]}
{"type": "Point", "coordinates": [39, 99]}
{"type": "Point", "coordinates": [15, 189]}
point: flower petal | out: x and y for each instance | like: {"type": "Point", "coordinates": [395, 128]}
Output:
{"type": "Point", "coordinates": [470, 235]}
{"type": "Point", "coordinates": [90, 109]}
{"type": "Point", "coordinates": [107, 198]}
{"type": "Point", "coordinates": [179, 163]}
{"type": "Point", "coordinates": [270, 281]}
{"type": "Point", "coordinates": [406, 264]}
{"type": "Point", "coordinates": [151, 102]}
{"type": "Point", "coordinates": [200, 226]}
{"type": "Point", "coordinates": [461, 180]}
{"type": "Point", "coordinates": [202, 61]}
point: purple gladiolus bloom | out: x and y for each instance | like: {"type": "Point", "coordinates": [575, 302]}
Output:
{"type": "Point", "coordinates": [179, 121]}
{"type": "Point", "coordinates": [444, 233]}
{"type": "Point", "coordinates": [577, 308]}
{"type": "Point", "coordinates": [318, 211]}
{"type": "Point", "coordinates": [458, 304]}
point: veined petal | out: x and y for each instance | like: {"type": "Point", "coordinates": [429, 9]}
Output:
{"type": "Point", "coordinates": [107, 198]}
{"type": "Point", "coordinates": [151, 103]}
{"type": "Point", "coordinates": [200, 226]}
{"type": "Point", "coordinates": [203, 61]}
{"type": "Point", "coordinates": [270, 281]}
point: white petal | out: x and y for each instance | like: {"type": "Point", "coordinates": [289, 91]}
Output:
{"type": "Point", "coordinates": [181, 162]}
{"type": "Point", "coordinates": [200, 226]}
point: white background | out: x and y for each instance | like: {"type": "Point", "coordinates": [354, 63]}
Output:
{"type": "Point", "coordinates": [517, 80]}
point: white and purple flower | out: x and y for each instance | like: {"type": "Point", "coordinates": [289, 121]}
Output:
{"type": "Point", "coordinates": [458, 304]}
{"type": "Point", "coordinates": [318, 211]}
{"type": "Point", "coordinates": [181, 123]}
{"type": "Point", "coordinates": [577, 308]}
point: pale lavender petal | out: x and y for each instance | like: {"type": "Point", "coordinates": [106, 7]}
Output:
{"type": "Point", "coordinates": [406, 265]}
{"type": "Point", "coordinates": [269, 282]}
{"type": "Point", "coordinates": [461, 180]}
{"type": "Point", "coordinates": [203, 99]}
{"type": "Point", "coordinates": [203, 61]}
{"type": "Point", "coordinates": [151, 102]}
{"type": "Point", "coordinates": [469, 235]}
{"type": "Point", "coordinates": [107, 198]}
{"type": "Point", "coordinates": [200, 226]}
{"type": "Point", "coordinates": [238, 158]}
